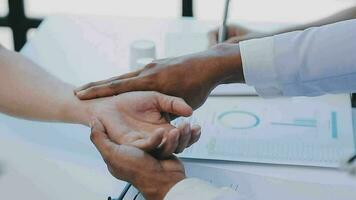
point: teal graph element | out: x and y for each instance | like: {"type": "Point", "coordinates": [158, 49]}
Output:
{"type": "Point", "coordinates": [236, 119]}
{"type": "Point", "coordinates": [312, 123]}
{"type": "Point", "coordinates": [334, 125]}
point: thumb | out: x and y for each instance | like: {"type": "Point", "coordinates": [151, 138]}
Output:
{"type": "Point", "coordinates": [174, 105]}
{"type": "Point", "coordinates": [100, 139]}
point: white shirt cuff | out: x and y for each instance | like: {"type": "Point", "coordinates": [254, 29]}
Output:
{"type": "Point", "coordinates": [193, 188]}
{"type": "Point", "coordinates": [259, 67]}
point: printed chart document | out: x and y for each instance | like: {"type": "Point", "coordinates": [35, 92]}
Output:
{"type": "Point", "coordinates": [314, 131]}
{"type": "Point", "coordinates": [255, 187]}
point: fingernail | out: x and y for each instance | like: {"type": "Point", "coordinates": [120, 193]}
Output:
{"type": "Point", "coordinates": [196, 139]}
{"type": "Point", "coordinates": [80, 93]}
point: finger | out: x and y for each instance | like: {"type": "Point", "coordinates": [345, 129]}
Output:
{"type": "Point", "coordinates": [170, 144]}
{"type": "Point", "coordinates": [174, 105]}
{"type": "Point", "coordinates": [150, 143]}
{"type": "Point", "coordinates": [232, 31]}
{"type": "Point", "coordinates": [129, 75]}
{"type": "Point", "coordinates": [233, 40]}
{"type": "Point", "coordinates": [100, 139]}
{"type": "Point", "coordinates": [97, 83]}
{"type": "Point", "coordinates": [184, 137]}
{"type": "Point", "coordinates": [114, 88]}
{"type": "Point", "coordinates": [196, 132]}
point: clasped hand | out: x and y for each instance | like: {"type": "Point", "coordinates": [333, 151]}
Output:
{"type": "Point", "coordinates": [141, 119]}
{"type": "Point", "coordinates": [132, 130]}
{"type": "Point", "coordinates": [191, 78]}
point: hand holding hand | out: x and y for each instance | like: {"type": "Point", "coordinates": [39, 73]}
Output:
{"type": "Point", "coordinates": [152, 177]}
{"type": "Point", "coordinates": [132, 118]}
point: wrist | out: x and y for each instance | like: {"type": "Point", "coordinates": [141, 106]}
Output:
{"type": "Point", "coordinates": [227, 67]}
{"type": "Point", "coordinates": [158, 191]}
{"type": "Point", "coordinates": [77, 112]}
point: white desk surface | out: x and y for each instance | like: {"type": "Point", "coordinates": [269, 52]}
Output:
{"type": "Point", "coordinates": [60, 162]}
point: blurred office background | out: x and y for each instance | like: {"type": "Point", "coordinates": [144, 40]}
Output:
{"type": "Point", "coordinates": [18, 18]}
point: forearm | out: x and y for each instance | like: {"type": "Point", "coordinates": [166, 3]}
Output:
{"type": "Point", "coordinates": [28, 91]}
{"type": "Point", "coordinates": [221, 64]}
{"type": "Point", "coordinates": [312, 62]}
{"type": "Point", "coordinates": [343, 15]}
{"type": "Point", "coordinates": [228, 67]}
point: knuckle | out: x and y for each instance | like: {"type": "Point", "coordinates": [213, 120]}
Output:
{"type": "Point", "coordinates": [151, 65]}
{"type": "Point", "coordinates": [147, 83]}
{"type": "Point", "coordinates": [113, 84]}
{"type": "Point", "coordinates": [152, 81]}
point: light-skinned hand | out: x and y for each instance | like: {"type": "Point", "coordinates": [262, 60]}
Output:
{"type": "Point", "coordinates": [132, 118]}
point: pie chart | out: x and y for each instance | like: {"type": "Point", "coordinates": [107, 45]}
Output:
{"type": "Point", "coordinates": [237, 119]}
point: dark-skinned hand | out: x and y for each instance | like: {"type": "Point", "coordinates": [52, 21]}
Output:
{"type": "Point", "coordinates": [190, 77]}
{"type": "Point", "coordinates": [151, 176]}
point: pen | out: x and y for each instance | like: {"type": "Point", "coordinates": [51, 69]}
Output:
{"type": "Point", "coordinates": [350, 165]}
{"type": "Point", "coordinates": [223, 28]}
{"type": "Point", "coordinates": [124, 192]}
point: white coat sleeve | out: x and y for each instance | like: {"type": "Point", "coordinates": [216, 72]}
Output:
{"type": "Point", "coordinates": [313, 62]}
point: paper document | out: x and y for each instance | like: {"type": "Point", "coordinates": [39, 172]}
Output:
{"type": "Point", "coordinates": [234, 89]}
{"type": "Point", "coordinates": [314, 131]}
{"type": "Point", "coordinates": [255, 187]}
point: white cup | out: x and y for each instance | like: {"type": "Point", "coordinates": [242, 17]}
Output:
{"type": "Point", "coordinates": [141, 49]}
{"type": "Point", "coordinates": [142, 62]}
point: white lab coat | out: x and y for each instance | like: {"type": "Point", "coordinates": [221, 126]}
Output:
{"type": "Point", "coordinates": [313, 62]}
